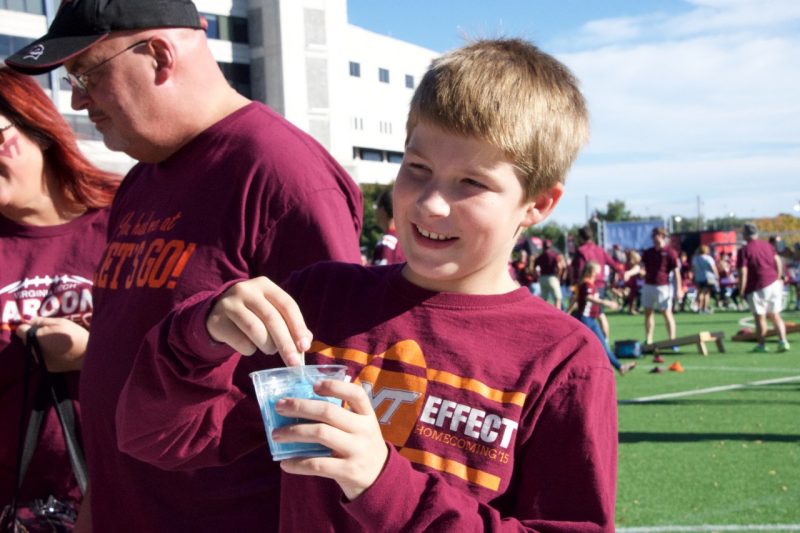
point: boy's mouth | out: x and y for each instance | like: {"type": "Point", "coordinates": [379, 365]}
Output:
{"type": "Point", "coordinates": [433, 236]}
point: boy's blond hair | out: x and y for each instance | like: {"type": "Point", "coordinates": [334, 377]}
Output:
{"type": "Point", "coordinates": [512, 95]}
{"type": "Point", "coordinates": [590, 269]}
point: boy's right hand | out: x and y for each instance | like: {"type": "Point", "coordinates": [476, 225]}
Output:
{"type": "Point", "coordinates": [258, 315]}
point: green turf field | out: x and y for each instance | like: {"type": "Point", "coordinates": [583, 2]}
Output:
{"type": "Point", "coordinates": [699, 459]}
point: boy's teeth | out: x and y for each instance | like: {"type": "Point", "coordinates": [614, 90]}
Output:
{"type": "Point", "coordinates": [431, 235]}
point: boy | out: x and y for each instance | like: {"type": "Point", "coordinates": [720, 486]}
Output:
{"type": "Point", "coordinates": [473, 405]}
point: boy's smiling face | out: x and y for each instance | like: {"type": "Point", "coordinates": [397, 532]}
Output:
{"type": "Point", "coordinates": [458, 208]}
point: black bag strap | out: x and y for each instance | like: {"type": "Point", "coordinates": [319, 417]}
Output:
{"type": "Point", "coordinates": [57, 387]}
{"type": "Point", "coordinates": [28, 437]}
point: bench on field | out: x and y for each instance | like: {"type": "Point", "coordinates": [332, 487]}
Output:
{"type": "Point", "coordinates": [699, 339]}
{"type": "Point", "coordinates": [750, 336]}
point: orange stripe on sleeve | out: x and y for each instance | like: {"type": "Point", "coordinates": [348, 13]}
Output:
{"type": "Point", "coordinates": [472, 475]}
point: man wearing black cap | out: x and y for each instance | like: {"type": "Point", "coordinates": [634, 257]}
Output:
{"type": "Point", "coordinates": [760, 280]}
{"type": "Point", "coordinates": [226, 190]}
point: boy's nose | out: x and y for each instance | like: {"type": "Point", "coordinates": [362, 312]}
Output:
{"type": "Point", "coordinates": [433, 202]}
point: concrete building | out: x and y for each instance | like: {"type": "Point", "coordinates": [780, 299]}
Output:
{"type": "Point", "coordinates": [346, 86]}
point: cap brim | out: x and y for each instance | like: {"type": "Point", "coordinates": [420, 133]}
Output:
{"type": "Point", "coordinates": [48, 53]}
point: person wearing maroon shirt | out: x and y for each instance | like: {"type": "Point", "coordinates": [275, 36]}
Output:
{"type": "Point", "coordinates": [760, 280]}
{"type": "Point", "coordinates": [225, 190]}
{"type": "Point", "coordinates": [388, 250]}
{"type": "Point", "coordinates": [471, 405]}
{"type": "Point", "coordinates": [659, 263]}
{"type": "Point", "coordinates": [53, 216]}
{"type": "Point", "coordinates": [588, 308]}
{"type": "Point", "coordinates": [589, 251]}
{"type": "Point", "coordinates": [549, 265]}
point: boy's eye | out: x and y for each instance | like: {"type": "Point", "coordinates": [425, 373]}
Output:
{"type": "Point", "coordinates": [474, 183]}
{"type": "Point", "coordinates": [418, 167]}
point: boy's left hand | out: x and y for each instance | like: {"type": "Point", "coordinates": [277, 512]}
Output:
{"type": "Point", "coordinates": [359, 451]}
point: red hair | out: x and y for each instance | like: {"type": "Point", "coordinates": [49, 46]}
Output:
{"type": "Point", "coordinates": [29, 109]}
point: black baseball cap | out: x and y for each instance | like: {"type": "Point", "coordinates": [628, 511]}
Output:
{"type": "Point", "coordinates": [79, 24]}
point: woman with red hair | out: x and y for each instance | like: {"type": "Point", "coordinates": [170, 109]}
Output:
{"type": "Point", "coordinates": [53, 221]}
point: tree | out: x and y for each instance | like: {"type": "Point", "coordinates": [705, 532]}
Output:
{"type": "Point", "coordinates": [370, 231]}
{"type": "Point", "coordinates": [552, 231]}
{"type": "Point", "coordinates": [616, 211]}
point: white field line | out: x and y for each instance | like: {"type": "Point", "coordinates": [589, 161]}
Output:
{"type": "Point", "coordinates": [748, 322]}
{"type": "Point", "coordinates": [713, 528]}
{"type": "Point", "coordinates": [740, 368]}
{"type": "Point", "coordinates": [709, 390]}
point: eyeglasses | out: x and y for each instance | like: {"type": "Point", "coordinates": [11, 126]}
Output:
{"type": "Point", "coordinates": [80, 82]}
{"type": "Point", "coordinates": [3, 131]}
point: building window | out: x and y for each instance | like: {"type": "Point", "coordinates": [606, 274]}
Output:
{"type": "Point", "coordinates": [355, 69]}
{"type": "Point", "coordinates": [213, 26]}
{"type": "Point", "coordinates": [394, 157]}
{"type": "Point", "coordinates": [385, 126]}
{"type": "Point", "coordinates": [358, 123]}
{"type": "Point", "coordinates": [238, 75]}
{"type": "Point", "coordinates": [28, 6]}
{"type": "Point", "coordinates": [409, 81]}
{"type": "Point", "coordinates": [369, 154]}
{"type": "Point", "coordinates": [226, 28]}
{"type": "Point", "coordinates": [383, 75]}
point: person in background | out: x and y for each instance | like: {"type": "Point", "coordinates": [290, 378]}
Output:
{"type": "Point", "coordinates": [793, 272]}
{"type": "Point", "coordinates": [387, 250]}
{"type": "Point", "coordinates": [634, 283]}
{"type": "Point", "coordinates": [687, 282]}
{"type": "Point", "coordinates": [225, 190]}
{"type": "Point", "coordinates": [760, 281]}
{"type": "Point", "coordinates": [728, 283]}
{"type": "Point", "coordinates": [588, 307]}
{"type": "Point", "coordinates": [706, 278]}
{"type": "Point", "coordinates": [53, 216]}
{"type": "Point", "coordinates": [660, 262]}
{"type": "Point", "coordinates": [590, 251]}
{"type": "Point", "coordinates": [549, 266]}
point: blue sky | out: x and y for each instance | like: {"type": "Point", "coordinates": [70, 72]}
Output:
{"type": "Point", "coordinates": [688, 98]}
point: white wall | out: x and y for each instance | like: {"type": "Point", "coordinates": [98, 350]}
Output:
{"type": "Point", "coordinates": [306, 78]}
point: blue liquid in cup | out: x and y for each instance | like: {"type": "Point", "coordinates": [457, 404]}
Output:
{"type": "Point", "coordinates": [292, 384]}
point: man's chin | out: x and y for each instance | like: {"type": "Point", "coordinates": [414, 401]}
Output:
{"type": "Point", "coordinates": [113, 142]}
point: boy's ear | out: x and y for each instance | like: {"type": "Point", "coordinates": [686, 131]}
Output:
{"type": "Point", "coordinates": [540, 207]}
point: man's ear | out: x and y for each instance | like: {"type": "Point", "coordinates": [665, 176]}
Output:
{"type": "Point", "coordinates": [540, 207]}
{"type": "Point", "coordinates": [163, 53]}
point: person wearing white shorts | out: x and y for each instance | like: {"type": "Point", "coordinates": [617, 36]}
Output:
{"type": "Point", "coordinates": [657, 297]}
{"type": "Point", "coordinates": [660, 264]}
{"type": "Point", "coordinates": [760, 275]}
{"type": "Point", "coordinates": [768, 300]}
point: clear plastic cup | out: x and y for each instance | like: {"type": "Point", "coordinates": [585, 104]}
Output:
{"type": "Point", "coordinates": [292, 382]}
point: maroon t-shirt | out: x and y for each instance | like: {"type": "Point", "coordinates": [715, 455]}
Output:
{"type": "Point", "coordinates": [590, 251]}
{"type": "Point", "coordinates": [487, 419]}
{"type": "Point", "coordinates": [44, 271]}
{"type": "Point", "coordinates": [517, 428]}
{"type": "Point", "coordinates": [585, 307]}
{"type": "Point", "coordinates": [388, 250]}
{"type": "Point", "coordinates": [759, 258]}
{"type": "Point", "coordinates": [658, 264]}
{"type": "Point", "coordinates": [547, 262]}
{"type": "Point", "coordinates": [252, 195]}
